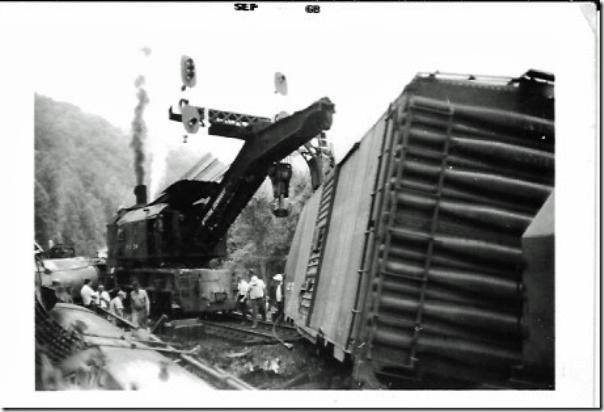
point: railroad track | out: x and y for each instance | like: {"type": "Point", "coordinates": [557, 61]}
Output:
{"type": "Point", "coordinates": [232, 329]}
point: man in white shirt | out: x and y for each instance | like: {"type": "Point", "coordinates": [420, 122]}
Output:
{"type": "Point", "coordinates": [241, 302]}
{"type": "Point", "coordinates": [88, 294]}
{"type": "Point", "coordinates": [257, 299]}
{"type": "Point", "coordinates": [104, 298]}
{"type": "Point", "coordinates": [140, 305]}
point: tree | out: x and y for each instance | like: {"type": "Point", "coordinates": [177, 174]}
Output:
{"type": "Point", "coordinates": [82, 173]}
{"type": "Point", "coordinates": [258, 239]}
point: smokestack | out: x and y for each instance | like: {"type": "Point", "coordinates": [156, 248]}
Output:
{"type": "Point", "coordinates": [140, 191]}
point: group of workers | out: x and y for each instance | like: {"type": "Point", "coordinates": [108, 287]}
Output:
{"type": "Point", "coordinates": [101, 302]}
{"type": "Point", "coordinates": [252, 295]}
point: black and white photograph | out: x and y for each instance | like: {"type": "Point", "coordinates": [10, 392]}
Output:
{"type": "Point", "coordinates": [305, 204]}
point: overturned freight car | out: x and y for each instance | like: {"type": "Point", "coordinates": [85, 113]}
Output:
{"type": "Point", "coordinates": [410, 259]}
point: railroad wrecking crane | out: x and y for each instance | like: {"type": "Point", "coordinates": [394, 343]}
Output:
{"type": "Point", "coordinates": [168, 244]}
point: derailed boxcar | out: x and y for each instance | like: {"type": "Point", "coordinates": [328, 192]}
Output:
{"type": "Point", "coordinates": [409, 259]}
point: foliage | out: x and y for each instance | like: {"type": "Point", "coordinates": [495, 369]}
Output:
{"type": "Point", "coordinates": [258, 239]}
{"type": "Point", "coordinates": [82, 174]}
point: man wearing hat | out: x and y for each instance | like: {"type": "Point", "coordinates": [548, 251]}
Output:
{"type": "Point", "coordinates": [276, 296]}
{"type": "Point", "coordinates": [116, 306]}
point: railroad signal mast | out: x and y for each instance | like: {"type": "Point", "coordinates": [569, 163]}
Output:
{"type": "Point", "coordinates": [245, 127]}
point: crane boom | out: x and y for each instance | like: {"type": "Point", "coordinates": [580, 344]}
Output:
{"type": "Point", "coordinates": [169, 245]}
{"type": "Point", "coordinates": [189, 220]}
{"type": "Point", "coordinates": [250, 168]}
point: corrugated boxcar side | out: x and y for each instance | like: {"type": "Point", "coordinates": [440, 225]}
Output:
{"type": "Point", "coordinates": [297, 260]}
{"type": "Point", "coordinates": [472, 164]}
{"type": "Point", "coordinates": [343, 251]}
{"type": "Point", "coordinates": [459, 174]}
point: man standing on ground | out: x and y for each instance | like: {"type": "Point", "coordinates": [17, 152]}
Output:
{"type": "Point", "coordinates": [116, 306]}
{"type": "Point", "coordinates": [104, 298]}
{"type": "Point", "coordinates": [277, 296]}
{"type": "Point", "coordinates": [140, 305]}
{"type": "Point", "coordinates": [88, 294]}
{"type": "Point", "coordinates": [257, 300]}
{"type": "Point", "coordinates": [241, 304]}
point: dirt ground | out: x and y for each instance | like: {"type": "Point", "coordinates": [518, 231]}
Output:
{"type": "Point", "coordinates": [270, 366]}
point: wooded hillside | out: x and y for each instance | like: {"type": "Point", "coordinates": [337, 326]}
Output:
{"type": "Point", "coordinates": [83, 172]}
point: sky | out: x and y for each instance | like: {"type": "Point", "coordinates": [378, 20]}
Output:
{"type": "Point", "coordinates": [359, 54]}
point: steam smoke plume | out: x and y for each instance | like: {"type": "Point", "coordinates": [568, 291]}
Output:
{"type": "Point", "coordinates": [139, 130]}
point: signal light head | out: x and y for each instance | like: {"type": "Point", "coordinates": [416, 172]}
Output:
{"type": "Point", "coordinates": [187, 72]}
